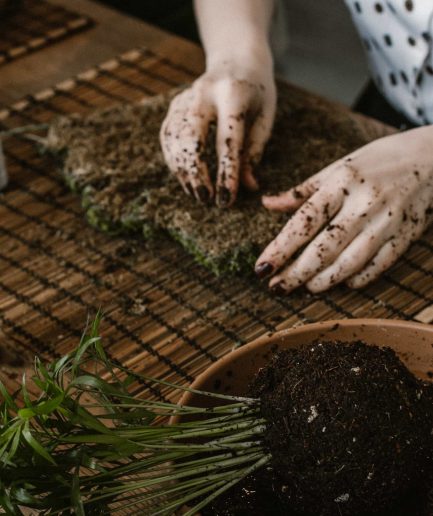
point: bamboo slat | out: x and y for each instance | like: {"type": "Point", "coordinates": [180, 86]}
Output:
{"type": "Point", "coordinates": [29, 25]}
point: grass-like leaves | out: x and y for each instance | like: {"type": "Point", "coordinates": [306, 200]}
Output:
{"type": "Point", "coordinates": [85, 445]}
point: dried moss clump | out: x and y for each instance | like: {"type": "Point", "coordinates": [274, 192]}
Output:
{"type": "Point", "coordinates": [113, 158]}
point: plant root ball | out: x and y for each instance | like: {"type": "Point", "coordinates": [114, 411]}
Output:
{"type": "Point", "coordinates": [349, 427]}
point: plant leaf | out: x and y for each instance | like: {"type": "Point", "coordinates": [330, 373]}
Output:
{"type": "Point", "coordinates": [26, 413]}
{"type": "Point", "coordinates": [7, 397]}
{"type": "Point", "coordinates": [94, 382]}
{"type": "Point", "coordinates": [77, 502]}
{"type": "Point", "coordinates": [37, 447]}
{"type": "Point", "coordinates": [10, 509]}
{"type": "Point", "coordinates": [48, 406]}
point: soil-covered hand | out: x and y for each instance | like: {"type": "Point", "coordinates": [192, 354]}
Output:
{"type": "Point", "coordinates": [355, 218]}
{"type": "Point", "coordinates": [241, 100]}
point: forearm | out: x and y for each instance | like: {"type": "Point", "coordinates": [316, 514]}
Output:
{"type": "Point", "coordinates": [235, 30]}
{"type": "Point", "coordinates": [238, 81]}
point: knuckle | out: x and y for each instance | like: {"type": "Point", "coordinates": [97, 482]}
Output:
{"type": "Point", "coordinates": [177, 102]}
{"type": "Point", "coordinates": [202, 84]}
{"type": "Point", "coordinates": [185, 135]}
{"type": "Point", "coordinates": [348, 170]}
{"type": "Point", "coordinates": [237, 92]}
{"type": "Point", "coordinates": [199, 96]}
{"type": "Point", "coordinates": [230, 85]}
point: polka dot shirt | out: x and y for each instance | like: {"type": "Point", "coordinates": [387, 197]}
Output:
{"type": "Point", "coordinates": [397, 36]}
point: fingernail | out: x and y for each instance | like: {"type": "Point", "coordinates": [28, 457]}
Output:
{"type": "Point", "coordinates": [203, 194]}
{"type": "Point", "coordinates": [263, 269]}
{"type": "Point", "coordinates": [278, 289]}
{"type": "Point", "coordinates": [224, 196]}
{"type": "Point", "coordinates": [189, 188]}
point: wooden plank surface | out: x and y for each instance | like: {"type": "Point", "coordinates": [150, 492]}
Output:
{"type": "Point", "coordinates": [164, 314]}
{"type": "Point", "coordinates": [112, 34]}
{"type": "Point", "coordinates": [31, 25]}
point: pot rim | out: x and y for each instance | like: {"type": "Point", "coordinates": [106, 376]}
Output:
{"type": "Point", "coordinates": [322, 325]}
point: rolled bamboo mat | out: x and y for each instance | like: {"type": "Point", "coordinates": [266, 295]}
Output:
{"type": "Point", "coordinates": [29, 25]}
{"type": "Point", "coordinates": [165, 316]}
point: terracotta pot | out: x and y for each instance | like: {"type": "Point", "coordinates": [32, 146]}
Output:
{"type": "Point", "coordinates": [413, 343]}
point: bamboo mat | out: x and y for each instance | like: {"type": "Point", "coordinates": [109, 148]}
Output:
{"type": "Point", "coordinates": [164, 315]}
{"type": "Point", "coordinates": [33, 24]}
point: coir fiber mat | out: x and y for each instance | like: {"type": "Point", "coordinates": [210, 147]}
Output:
{"type": "Point", "coordinates": [28, 25]}
{"type": "Point", "coordinates": [164, 315]}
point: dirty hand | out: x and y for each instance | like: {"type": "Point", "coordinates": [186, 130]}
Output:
{"type": "Point", "coordinates": [242, 102]}
{"type": "Point", "coordinates": [356, 217]}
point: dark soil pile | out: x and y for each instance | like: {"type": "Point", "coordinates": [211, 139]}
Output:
{"type": "Point", "coordinates": [113, 158]}
{"type": "Point", "coordinates": [255, 496]}
{"type": "Point", "coordinates": [349, 432]}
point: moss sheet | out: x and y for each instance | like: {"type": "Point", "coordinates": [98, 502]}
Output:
{"type": "Point", "coordinates": [112, 158]}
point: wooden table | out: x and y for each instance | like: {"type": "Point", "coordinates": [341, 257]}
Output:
{"type": "Point", "coordinates": [165, 315]}
{"type": "Point", "coordinates": [113, 33]}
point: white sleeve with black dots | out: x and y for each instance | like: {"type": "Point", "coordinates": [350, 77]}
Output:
{"type": "Point", "coordinates": [397, 36]}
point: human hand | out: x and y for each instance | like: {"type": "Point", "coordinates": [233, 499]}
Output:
{"type": "Point", "coordinates": [241, 99]}
{"type": "Point", "coordinates": [356, 216]}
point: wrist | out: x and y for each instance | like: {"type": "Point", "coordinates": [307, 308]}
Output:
{"type": "Point", "coordinates": [252, 55]}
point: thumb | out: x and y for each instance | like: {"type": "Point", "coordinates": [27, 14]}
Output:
{"type": "Point", "coordinates": [292, 199]}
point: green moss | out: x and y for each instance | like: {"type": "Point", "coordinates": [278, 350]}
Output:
{"type": "Point", "coordinates": [149, 232]}
{"type": "Point", "coordinates": [239, 261]}
{"type": "Point", "coordinates": [100, 221]}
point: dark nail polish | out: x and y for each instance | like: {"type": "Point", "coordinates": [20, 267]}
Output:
{"type": "Point", "coordinates": [224, 196]}
{"type": "Point", "coordinates": [278, 290]}
{"type": "Point", "coordinates": [189, 188]}
{"type": "Point", "coordinates": [263, 269]}
{"type": "Point", "coordinates": [203, 193]}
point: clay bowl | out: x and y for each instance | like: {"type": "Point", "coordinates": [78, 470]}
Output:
{"type": "Point", "coordinates": [413, 343]}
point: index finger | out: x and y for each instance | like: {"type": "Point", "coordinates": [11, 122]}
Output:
{"type": "Point", "coordinates": [299, 230]}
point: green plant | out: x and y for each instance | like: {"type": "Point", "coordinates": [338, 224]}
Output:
{"type": "Point", "coordinates": [86, 445]}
